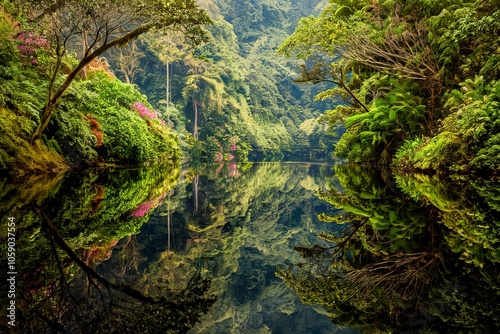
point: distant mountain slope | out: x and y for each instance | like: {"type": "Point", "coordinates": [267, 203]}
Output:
{"type": "Point", "coordinates": [238, 84]}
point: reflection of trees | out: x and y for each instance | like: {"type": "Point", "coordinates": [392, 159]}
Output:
{"type": "Point", "coordinates": [130, 256]}
{"type": "Point", "coordinates": [86, 302]}
{"type": "Point", "coordinates": [396, 265]}
{"type": "Point", "coordinates": [61, 289]}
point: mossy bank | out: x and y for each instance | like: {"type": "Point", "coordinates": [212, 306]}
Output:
{"type": "Point", "coordinates": [99, 121]}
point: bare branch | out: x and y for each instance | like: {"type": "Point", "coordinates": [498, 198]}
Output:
{"type": "Point", "coordinates": [406, 53]}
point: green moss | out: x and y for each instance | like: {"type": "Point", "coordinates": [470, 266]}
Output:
{"type": "Point", "coordinates": [18, 157]}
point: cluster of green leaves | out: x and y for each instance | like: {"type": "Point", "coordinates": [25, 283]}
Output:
{"type": "Point", "coordinates": [397, 115]}
{"type": "Point", "coordinates": [21, 99]}
{"type": "Point", "coordinates": [468, 137]}
{"type": "Point", "coordinates": [396, 67]}
{"type": "Point", "coordinates": [128, 138]}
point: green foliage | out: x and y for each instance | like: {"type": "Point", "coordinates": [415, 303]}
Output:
{"type": "Point", "coordinates": [489, 156]}
{"type": "Point", "coordinates": [469, 134]}
{"type": "Point", "coordinates": [17, 157]}
{"type": "Point", "coordinates": [390, 120]}
{"type": "Point", "coordinates": [416, 254]}
{"type": "Point", "coordinates": [402, 59]}
{"type": "Point", "coordinates": [468, 212]}
{"type": "Point", "coordinates": [241, 87]}
{"type": "Point", "coordinates": [461, 33]}
{"type": "Point", "coordinates": [441, 151]}
{"type": "Point", "coordinates": [127, 137]}
{"type": "Point", "coordinates": [406, 152]}
{"type": "Point", "coordinates": [22, 89]}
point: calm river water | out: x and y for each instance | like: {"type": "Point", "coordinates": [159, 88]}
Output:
{"type": "Point", "coordinates": [239, 248]}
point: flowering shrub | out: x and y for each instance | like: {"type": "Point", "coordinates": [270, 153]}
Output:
{"type": "Point", "coordinates": [29, 46]}
{"type": "Point", "coordinates": [228, 154]}
{"type": "Point", "coordinates": [145, 113]}
{"type": "Point", "coordinates": [233, 141]}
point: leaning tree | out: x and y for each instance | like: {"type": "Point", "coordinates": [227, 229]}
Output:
{"type": "Point", "coordinates": [94, 27]}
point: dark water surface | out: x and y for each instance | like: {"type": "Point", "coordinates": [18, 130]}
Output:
{"type": "Point", "coordinates": [200, 249]}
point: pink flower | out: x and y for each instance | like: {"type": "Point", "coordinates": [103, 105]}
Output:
{"type": "Point", "coordinates": [29, 46]}
{"type": "Point", "coordinates": [233, 147]}
{"type": "Point", "coordinates": [145, 207]}
{"type": "Point", "coordinates": [145, 113]}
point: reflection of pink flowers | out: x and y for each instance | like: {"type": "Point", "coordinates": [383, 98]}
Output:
{"type": "Point", "coordinates": [232, 170]}
{"type": "Point", "coordinates": [144, 208]}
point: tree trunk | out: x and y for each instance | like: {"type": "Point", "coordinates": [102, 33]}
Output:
{"type": "Point", "coordinates": [52, 101]}
{"type": "Point", "coordinates": [195, 128]}
{"type": "Point", "coordinates": [196, 181]}
{"type": "Point", "coordinates": [167, 94]}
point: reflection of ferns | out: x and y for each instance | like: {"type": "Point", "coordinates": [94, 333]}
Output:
{"type": "Point", "coordinates": [391, 265]}
{"type": "Point", "coordinates": [97, 201]}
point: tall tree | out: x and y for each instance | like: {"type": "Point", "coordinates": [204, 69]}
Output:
{"type": "Point", "coordinates": [104, 24]}
{"type": "Point", "coordinates": [128, 61]}
{"type": "Point", "coordinates": [169, 48]}
{"type": "Point", "coordinates": [195, 84]}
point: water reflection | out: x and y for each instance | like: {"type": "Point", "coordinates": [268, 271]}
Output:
{"type": "Point", "coordinates": [416, 254]}
{"type": "Point", "coordinates": [63, 236]}
{"type": "Point", "coordinates": [150, 250]}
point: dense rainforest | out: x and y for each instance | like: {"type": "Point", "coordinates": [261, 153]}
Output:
{"type": "Point", "coordinates": [412, 85]}
{"type": "Point", "coordinates": [211, 86]}
{"type": "Point", "coordinates": [416, 81]}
